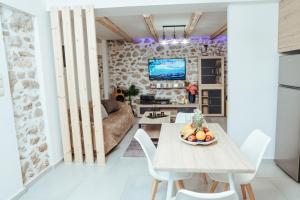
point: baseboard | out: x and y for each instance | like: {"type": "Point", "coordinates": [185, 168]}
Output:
{"type": "Point", "coordinates": [54, 165]}
{"type": "Point", "coordinates": [42, 173]}
{"type": "Point", "coordinates": [268, 161]}
{"type": "Point", "coordinates": [18, 194]}
{"type": "Point", "coordinates": [37, 177]}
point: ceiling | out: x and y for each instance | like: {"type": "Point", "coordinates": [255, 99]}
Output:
{"type": "Point", "coordinates": [132, 22]}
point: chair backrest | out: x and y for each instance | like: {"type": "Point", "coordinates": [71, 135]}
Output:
{"type": "Point", "coordinates": [148, 147]}
{"type": "Point", "coordinates": [255, 146]}
{"type": "Point", "coordinates": [189, 195]}
{"type": "Point", "coordinates": [184, 117]}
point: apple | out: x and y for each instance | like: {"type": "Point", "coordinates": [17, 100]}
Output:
{"type": "Point", "coordinates": [210, 134]}
{"type": "Point", "coordinates": [192, 138]}
{"type": "Point", "coordinates": [208, 138]}
{"type": "Point", "coordinates": [205, 129]}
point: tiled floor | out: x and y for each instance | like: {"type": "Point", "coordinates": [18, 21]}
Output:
{"type": "Point", "coordinates": [127, 179]}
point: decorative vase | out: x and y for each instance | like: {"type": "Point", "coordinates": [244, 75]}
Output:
{"type": "Point", "coordinates": [192, 98]}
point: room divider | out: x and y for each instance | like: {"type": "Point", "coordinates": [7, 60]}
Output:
{"type": "Point", "coordinates": [78, 86]}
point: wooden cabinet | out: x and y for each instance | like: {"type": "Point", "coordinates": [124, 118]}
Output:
{"type": "Point", "coordinates": [212, 101]}
{"type": "Point", "coordinates": [211, 71]}
{"type": "Point", "coordinates": [211, 85]}
{"type": "Point", "coordinates": [289, 26]}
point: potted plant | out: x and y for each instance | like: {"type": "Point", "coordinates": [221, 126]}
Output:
{"type": "Point", "coordinates": [131, 92]}
{"type": "Point", "coordinates": [192, 90]}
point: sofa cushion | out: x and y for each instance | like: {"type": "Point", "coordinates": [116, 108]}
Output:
{"type": "Point", "coordinates": [103, 112]}
{"type": "Point", "coordinates": [110, 105]}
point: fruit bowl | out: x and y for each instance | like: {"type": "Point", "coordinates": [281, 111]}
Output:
{"type": "Point", "coordinates": [199, 142]}
{"type": "Point", "coordinates": [197, 136]}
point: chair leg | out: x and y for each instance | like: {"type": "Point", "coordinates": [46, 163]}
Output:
{"type": "Point", "coordinates": [205, 179]}
{"type": "Point", "coordinates": [244, 192]}
{"type": "Point", "coordinates": [213, 186]}
{"type": "Point", "coordinates": [154, 189]}
{"type": "Point", "coordinates": [226, 186]}
{"type": "Point", "coordinates": [179, 184]}
{"type": "Point", "coordinates": [250, 192]}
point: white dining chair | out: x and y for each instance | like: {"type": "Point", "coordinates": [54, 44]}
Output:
{"type": "Point", "coordinates": [253, 148]}
{"type": "Point", "coordinates": [189, 195]}
{"type": "Point", "coordinates": [184, 117]}
{"type": "Point", "coordinates": [149, 149]}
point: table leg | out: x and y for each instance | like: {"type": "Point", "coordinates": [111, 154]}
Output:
{"type": "Point", "coordinates": [170, 188]}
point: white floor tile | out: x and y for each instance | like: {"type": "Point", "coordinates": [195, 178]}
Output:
{"type": "Point", "coordinates": [126, 178]}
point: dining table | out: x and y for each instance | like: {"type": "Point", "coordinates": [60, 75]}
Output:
{"type": "Point", "coordinates": [222, 156]}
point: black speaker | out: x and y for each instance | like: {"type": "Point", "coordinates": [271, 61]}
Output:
{"type": "Point", "coordinates": [147, 99]}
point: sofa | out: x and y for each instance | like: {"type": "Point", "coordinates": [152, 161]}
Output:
{"type": "Point", "coordinates": [116, 125]}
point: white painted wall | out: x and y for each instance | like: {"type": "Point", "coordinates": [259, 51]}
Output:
{"type": "Point", "coordinates": [10, 169]}
{"type": "Point", "coordinates": [252, 70]}
{"type": "Point", "coordinates": [46, 71]}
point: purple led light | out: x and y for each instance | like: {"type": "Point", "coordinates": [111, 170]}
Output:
{"type": "Point", "coordinates": [198, 38]}
{"type": "Point", "coordinates": [143, 40]}
{"type": "Point", "coordinates": [221, 38]}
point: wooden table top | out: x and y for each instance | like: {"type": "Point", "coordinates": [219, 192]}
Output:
{"type": "Point", "coordinates": [160, 120]}
{"type": "Point", "coordinates": [224, 156]}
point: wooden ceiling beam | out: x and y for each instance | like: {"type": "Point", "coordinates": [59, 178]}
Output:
{"type": "Point", "coordinates": [106, 22]}
{"type": "Point", "coordinates": [220, 31]}
{"type": "Point", "coordinates": [150, 25]}
{"type": "Point", "coordinates": [193, 23]}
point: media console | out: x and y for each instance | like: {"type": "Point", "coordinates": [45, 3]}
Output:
{"type": "Point", "coordinates": [172, 108]}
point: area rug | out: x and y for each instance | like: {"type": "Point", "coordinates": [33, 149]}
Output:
{"type": "Point", "coordinates": [135, 150]}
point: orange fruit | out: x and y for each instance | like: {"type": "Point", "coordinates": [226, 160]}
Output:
{"type": "Point", "coordinates": [200, 135]}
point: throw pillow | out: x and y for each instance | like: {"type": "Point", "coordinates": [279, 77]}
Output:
{"type": "Point", "coordinates": [103, 112]}
{"type": "Point", "coordinates": [111, 105]}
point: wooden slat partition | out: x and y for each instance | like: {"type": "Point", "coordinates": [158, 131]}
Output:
{"type": "Point", "coordinates": [95, 83]}
{"type": "Point", "coordinates": [82, 80]}
{"type": "Point", "coordinates": [75, 30]}
{"type": "Point", "coordinates": [60, 83]}
{"type": "Point", "coordinates": [71, 81]}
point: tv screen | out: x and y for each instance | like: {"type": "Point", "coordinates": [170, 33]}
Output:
{"type": "Point", "coordinates": [166, 69]}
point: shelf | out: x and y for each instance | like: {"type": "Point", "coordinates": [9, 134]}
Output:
{"type": "Point", "coordinates": [210, 105]}
{"type": "Point", "coordinates": [211, 67]}
{"type": "Point", "coordinates": [179, 88]}
{"type": "Point", "coordinates": [211, 75]}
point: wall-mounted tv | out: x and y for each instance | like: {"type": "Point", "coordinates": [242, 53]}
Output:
{"type": "Point", "coordinates": [167, 69]}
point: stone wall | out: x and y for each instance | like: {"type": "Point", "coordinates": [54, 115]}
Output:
{"type": "Point", "coordinates": [128, 63]}
{"type": "Point", "coordinates": [18, 32]}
